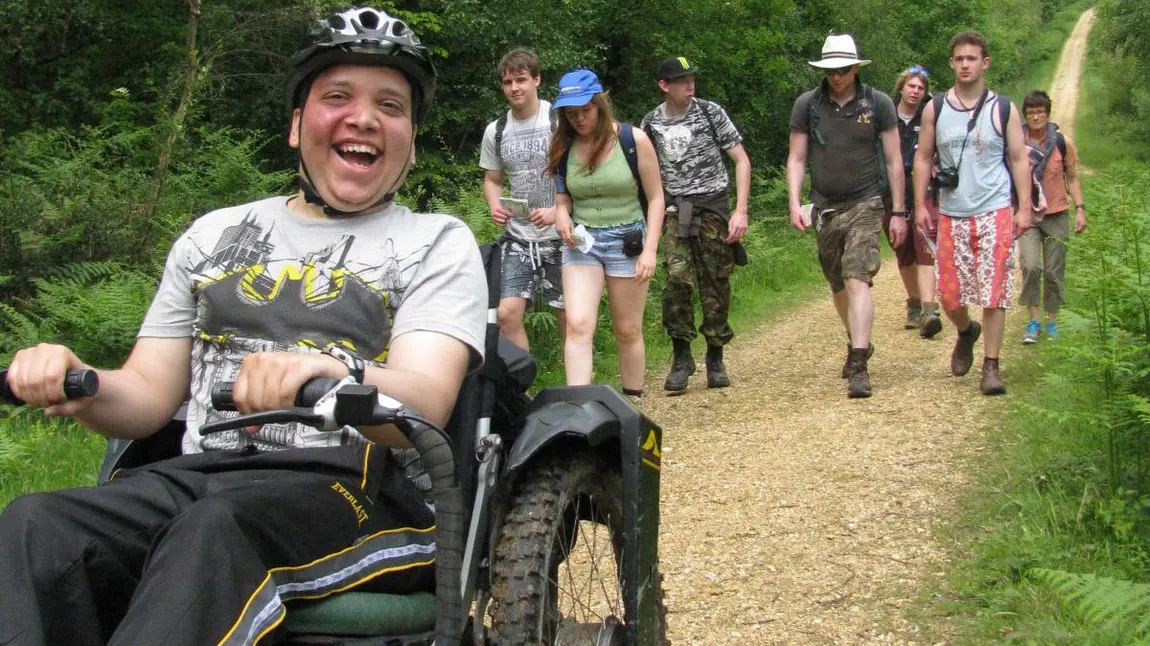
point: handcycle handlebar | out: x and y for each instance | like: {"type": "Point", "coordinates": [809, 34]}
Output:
{"type": "Point", "coordinates": [77, 385]}
{"type": "Point", "coordinates": [326, 404]}
{"type": "Point", "coordinates": [308, 394]}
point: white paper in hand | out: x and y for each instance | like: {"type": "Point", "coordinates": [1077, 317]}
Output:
{"type": "Point", "coordinates": [517, 206]}
{"type": "Point", "coordinates": [583, 240]}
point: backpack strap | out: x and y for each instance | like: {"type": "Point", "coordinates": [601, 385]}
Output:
{"type": "Point", "coordinates": [813, 132]}
{"type": "Point", "coordinates": [938, 101]}
{"type": "Point", "coordinates": [500, 126]}
{"type": "Point", "coordinates": [710, 122]}
{"type": "Point", "coordinates": [879, 151]}
{"type": "Point", "coordinates": [631, 152]}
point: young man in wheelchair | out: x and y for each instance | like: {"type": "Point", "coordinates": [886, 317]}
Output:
{"type": "Point", "coordinates": [334, 280]}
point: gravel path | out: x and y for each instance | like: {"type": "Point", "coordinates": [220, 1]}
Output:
{"type": "Point", "coordinates": [792, 515]}
{"type": "Point", "coordinates": [1064, 90]}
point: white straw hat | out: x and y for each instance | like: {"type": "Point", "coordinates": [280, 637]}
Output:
{"type": "Point", "coordinates": [839, 51]}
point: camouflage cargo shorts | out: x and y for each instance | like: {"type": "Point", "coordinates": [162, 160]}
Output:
{"type": "Point", "coordinates": [848, 242]}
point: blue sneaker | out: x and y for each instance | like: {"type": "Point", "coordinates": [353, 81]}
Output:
{"type": "Point", "coordinates": [1032, 332]}
{"type": "Point", "coordinates": [1051, 329]}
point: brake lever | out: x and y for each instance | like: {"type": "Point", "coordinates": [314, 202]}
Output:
{"type": "Point", "coordinates": [283, 415]}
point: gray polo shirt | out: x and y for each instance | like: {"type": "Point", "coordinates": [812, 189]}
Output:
{"type": "Point", "coordinates": [846, 168]}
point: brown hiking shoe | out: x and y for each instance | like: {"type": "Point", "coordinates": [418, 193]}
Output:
{"type": "Point", "coordinates": [930, 320]}
{"type": "Point", "coordinates": [963, 356]}
{"type": "Point", "coordinates": [991, 378]}
{"type": "Point", "coordinates": [913, 314]}
{"type": "Point", "coordinates": [847, 364]}
{"type": "Point", "coordinates": [858, 383]}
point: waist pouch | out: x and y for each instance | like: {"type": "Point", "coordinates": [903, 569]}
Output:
{"type": "Point", "coordinates": [633, 243]}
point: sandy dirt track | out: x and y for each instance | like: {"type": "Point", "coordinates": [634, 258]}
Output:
{"type": "Point", "coordinates": [792, 515]}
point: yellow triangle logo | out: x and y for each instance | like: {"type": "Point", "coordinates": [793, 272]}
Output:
{"type": "Point", "coordinates": [652, 445]}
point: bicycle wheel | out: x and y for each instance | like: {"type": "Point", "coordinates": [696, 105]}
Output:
{"type": "Point", "coordinates": [555, 576]}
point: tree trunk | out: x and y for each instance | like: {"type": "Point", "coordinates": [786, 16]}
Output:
{"type": "Point", "coordinates": [192, 78]}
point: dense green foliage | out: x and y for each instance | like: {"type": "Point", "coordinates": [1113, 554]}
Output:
{"type": "Point", "coordinates": [1122, 29]}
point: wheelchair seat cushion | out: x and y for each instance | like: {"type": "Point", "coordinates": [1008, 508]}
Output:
{"type": "Point", "coordinates": [363, 614]}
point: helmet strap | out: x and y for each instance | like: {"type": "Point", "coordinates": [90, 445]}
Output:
{"type": "Point", "coordinates": [312, 196]}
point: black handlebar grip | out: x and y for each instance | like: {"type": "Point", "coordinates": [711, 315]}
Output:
{"type": "Point", "coordinates": [81, 383]}
{"type": "Point", "coordinates": [222, 395]}
{"type": "Point", "coordinates": [77, 385]}
{"type": "Point", "coordinates": [307, 396]}
{"type": "Point", "coordinates": [315, 388]}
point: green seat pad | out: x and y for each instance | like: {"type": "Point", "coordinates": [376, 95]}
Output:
{"type": "Point", "coordinates": [363, 614]}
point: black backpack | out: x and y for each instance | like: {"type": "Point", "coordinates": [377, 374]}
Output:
{"type": "Point", "coordinates": [630, 151]}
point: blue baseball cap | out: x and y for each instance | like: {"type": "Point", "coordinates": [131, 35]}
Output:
{"type": "Point", "coordinates": [577, 88]}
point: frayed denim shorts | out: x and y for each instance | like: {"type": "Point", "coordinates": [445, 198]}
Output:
{"type": "Point", "coordinates": [608, 250]}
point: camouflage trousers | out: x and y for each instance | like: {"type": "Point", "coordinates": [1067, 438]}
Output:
{"type": "Point", "coordinates": [704, 263]}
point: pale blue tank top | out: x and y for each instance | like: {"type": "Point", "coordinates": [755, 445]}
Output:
{"type": "Point", "coordinates": [983, 179]}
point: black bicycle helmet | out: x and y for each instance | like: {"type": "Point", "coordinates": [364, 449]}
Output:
{"type": "Point", "coordinates": [364, 35]}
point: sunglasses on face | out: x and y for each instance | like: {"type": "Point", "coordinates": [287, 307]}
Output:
{"type": "Point", "coordinates": [840, 71]}
{"type": "Point", "coordinates": [918, 69]}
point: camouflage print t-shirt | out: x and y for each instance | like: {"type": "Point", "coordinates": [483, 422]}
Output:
{"type": "Point", "coordinates": [690, 152]}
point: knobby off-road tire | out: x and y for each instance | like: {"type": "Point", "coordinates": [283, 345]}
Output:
{"type": "Point", "coordinates": [541, 578]}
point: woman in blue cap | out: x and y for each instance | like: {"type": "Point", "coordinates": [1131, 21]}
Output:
{"type": "Point", "coordinates": [608, 184]}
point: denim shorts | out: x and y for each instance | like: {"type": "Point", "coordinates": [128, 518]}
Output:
{"type": "Point", "coordinates": [608, 250]}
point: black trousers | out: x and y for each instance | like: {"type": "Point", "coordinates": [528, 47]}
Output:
{"type": "Point", "coordinates": [204, 549]}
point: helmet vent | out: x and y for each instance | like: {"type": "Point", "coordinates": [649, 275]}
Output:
{"type": "Point", "coordinates": [369, 19]}
{"type": "Point", "coordinates": [336, 22]}
{"type": "Point", "coordinates": [398, 28]}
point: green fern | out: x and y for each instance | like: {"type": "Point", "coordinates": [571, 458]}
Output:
{"type": "Point", "coordinates": [1102, 601]}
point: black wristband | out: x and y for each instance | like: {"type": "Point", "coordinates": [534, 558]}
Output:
{"type": "Point", "coordinates": [355, 365]}
{"type": "Point", "coordinates": [900, 214]}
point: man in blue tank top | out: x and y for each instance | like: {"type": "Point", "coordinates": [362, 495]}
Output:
{"type": "Point", "coordinates": [978, 135]}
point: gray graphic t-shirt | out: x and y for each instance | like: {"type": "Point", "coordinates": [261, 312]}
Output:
{"type": "Point", "coordinates": [259, 277]}
{"type": "Point", "coordinates": [690, 152]}
{"type": "Point", "coordinates": [523, 160]}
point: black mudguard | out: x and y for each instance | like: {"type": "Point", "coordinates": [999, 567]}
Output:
{"type": "Point", "coordinates": [600, 415]}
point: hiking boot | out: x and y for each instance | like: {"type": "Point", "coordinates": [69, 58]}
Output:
{"type": "Point", "coordinates": [716, 371]}
{"type": "Point", "coordinates": [858, 382]}
{"type": "Point", "coordinates": [1032, 332]}
{"type": "Point", "coordinates": [682, 366]}
{"type": "Point", "coordinates": [635, 397]}
{"type": "Point", "coordinates": [991, 378]}
{"type": "Point", "coordinates": [1051, 329]}
{"type": "Point", "coordinates": [963, 356]}
{"type": "Point", "coordinates": [930, 321]}
{"type": "Point", "coordinates": [847, 363]}
{"type": "Point", "coordinates": [913, 314]}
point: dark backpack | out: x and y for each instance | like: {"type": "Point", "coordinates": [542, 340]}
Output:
{"type": "Point", "coordinates": [815, 135]}
{"type": "Point", "coordinates": [1003, 103]}
{"type": "Point", "coordinates": [627, 141]}
{"type": "Point", "coordinates": [1054, 139]}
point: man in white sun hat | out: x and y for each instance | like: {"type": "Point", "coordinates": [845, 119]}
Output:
{"type": "Point", "coordinates": [847, 131]}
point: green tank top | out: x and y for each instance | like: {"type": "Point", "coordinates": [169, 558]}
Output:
{"type": "Point", "coordinates": [607, 197]}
